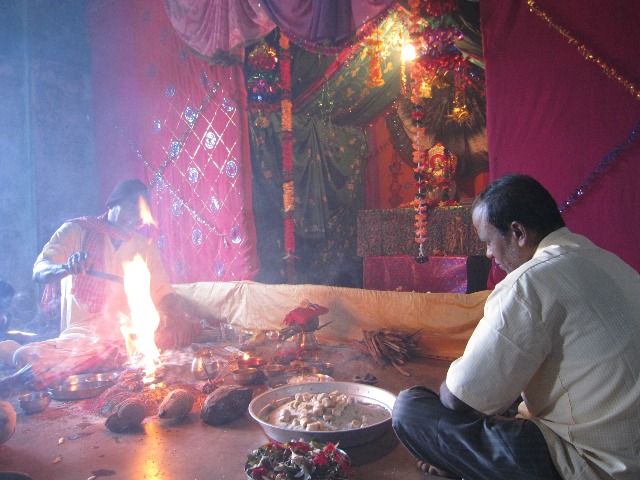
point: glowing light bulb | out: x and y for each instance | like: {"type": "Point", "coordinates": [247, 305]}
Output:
{"type": "Point", "coordinates": [408, 52]}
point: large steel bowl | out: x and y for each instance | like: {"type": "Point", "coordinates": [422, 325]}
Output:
{"type": "Point", "coordinates": [80, 387]}
{"type": "Point", "coordinates": [263, 404]}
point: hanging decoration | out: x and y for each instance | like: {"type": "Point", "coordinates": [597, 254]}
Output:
{"type": "Point", "coordinates": [261, 83]}
{"type": "Point", "coordinates": [263, 91]}
{"type": "Point", "coordinates": [604, 164]}
{"type": "Point", "coordinates": [585, 51]}
{"type": "Point", "coordinates": [288, 189]}
{"type": "Point", "coordinates": [611, 73]}
{"type": "Point", "coordinates": [374, 51]}
{"type": "Point", "coordinates": [438, 65]}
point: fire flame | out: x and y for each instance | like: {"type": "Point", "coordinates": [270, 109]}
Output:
{"type": "Point", "coordinates": [139, 331]}
{"type": "Point", "coordinates": [145, 212]}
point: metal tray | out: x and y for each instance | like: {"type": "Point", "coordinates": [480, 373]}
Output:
{"type": "Point", "coordinates": [260, 407]}
{"type": "Point", "coordinates": [308, 378]}
{"type": "Point", "coordinates": [80, 387]}
{"type": "Point", "coordinates": [293, 379]}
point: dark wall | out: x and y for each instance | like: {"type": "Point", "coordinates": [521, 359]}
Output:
{"type": "Point", "coordinates": [47, 164]}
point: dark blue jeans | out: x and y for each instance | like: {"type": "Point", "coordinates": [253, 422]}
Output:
{"type": "Point", "coordinates": [469, 445]}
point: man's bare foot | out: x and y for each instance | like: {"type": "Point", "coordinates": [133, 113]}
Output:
{"type": "Point", "coordinates": [431, 470]}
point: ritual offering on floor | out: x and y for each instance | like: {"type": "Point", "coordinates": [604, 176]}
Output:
{"type": "Point", "coordinates": [226, 404]}
{"type": "Point", "coordinates": [344, 412]}
{"type": "Point", "coordinates": [326, 412]}
{"type": "Point", "coordinates": [311, 461]}
{"type": "Point", "coordinates": [177, 405]}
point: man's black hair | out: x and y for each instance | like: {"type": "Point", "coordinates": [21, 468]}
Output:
{"type": "Point", "coordinates": [520, 198]}
{"type": "Point", "coordinates": [128, 190]}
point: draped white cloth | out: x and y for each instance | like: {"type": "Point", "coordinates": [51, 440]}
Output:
{"type": "Point", "coordinates": [446, 320]}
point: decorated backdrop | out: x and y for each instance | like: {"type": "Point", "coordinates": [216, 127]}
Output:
{"type": "Point", "coordinates": [168, 117]}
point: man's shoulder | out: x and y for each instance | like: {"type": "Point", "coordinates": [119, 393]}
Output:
{"type": "Point", "coordinates": [70, 227]}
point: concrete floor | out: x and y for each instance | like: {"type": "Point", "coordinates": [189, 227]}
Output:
{"type": "Point", "coordinates": [68, 442]}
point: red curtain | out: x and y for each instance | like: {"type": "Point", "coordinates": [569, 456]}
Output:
{"type": "Point", "coordinates": [563, 117]}
{"type": "Point", "coordinates": [166, 116]}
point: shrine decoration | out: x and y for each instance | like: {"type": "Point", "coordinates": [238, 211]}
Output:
{"type": "Point", "coordinates": [288, 189]}
{"type": "Point", "coordinates": [436, 187]}
{"type": "Point", "coordinates": [262, 86]}
{"type": "Point", "coordinates": [303, 322]}
{"type": "Point", "coordinates": [374, 50]}
{"type": "Point", "coordinates": [439, 64]}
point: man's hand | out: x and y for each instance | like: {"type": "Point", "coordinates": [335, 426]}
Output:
{"type": "Point", "coordinates": [523, 412]}
{"type": "Point", "coordinates": [78, 263]}
{"type": "Point", "coordinates": [46, 271]}
{"type": "Point", "coordinates": [177, 332]}
{"type": "Point", "coordinates": [177, 329]}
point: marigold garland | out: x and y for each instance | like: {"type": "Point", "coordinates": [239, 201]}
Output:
{"type": "Point", "coordinates": [433, 33]}
{"type": "Point", "coordinates": [374, 51]}
{"type": "Point", "coordinates": [288, 196]}
{"type": "Point", "coordinates": [288, 188]}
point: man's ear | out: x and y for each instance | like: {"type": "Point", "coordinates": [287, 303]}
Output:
{"type": "Point", "coordinates": [520, 232]}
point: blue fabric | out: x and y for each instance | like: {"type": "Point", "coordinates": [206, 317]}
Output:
{"type": "Point", "coordinates": [468, 444]}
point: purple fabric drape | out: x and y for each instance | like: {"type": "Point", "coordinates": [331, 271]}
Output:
{"type": "Point", "coordinates": [315, 20]}
{"type": "Point", "coordinates": [219, 29]}
{"type": "Point", "coordinates": [555, 115]}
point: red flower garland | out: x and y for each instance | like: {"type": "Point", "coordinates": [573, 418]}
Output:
{"type": "Point", "coordinates": [432, 39]}
{"type": "Point", "coordinates": [288, 189]}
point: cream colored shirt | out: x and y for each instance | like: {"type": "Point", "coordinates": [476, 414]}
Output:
{"type": "Point", "coordinates": [564, 330]}
{"type": "Point", "coordinates": [76, 318]}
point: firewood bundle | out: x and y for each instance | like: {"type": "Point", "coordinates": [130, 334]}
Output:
{"type": "Point", "coordinates": [389, 348]}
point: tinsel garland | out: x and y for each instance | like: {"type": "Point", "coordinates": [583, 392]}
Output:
{"type": "Point", "coordinates": [288, 190]}
{"type": "Point", "coordinates": [599, 170]}
{"type": "Point", "coordinates": [585, 51]}
{"type": "Point", "coordinates": [610, 72]}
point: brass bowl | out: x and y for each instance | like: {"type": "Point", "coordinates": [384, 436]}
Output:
{"type": "Point", "coordinates": [35, 402]}
{"type": "Point", "coordinates": [245, 376]}
{"type": "Point", "coordinates": [205, 366]}
{"type": "Point", "coordinates": [273, 370]}
{"type": "Point", "coordinates": [323, 368]}
{"type": "Point", "coordinates": [78, 387]}
{"type": "Point", "coordinates": [251, 362]}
